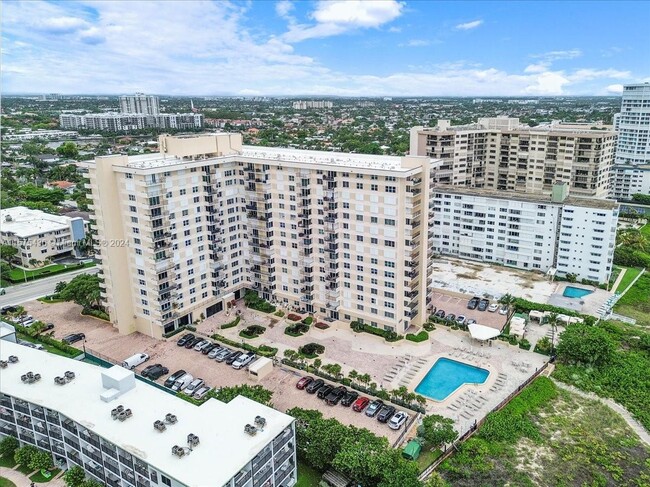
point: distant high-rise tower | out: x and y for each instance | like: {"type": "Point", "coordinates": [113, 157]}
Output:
{"type": "Point", "coordinates": [140, 103]}
{"type": "Point", "coordinates": [632, 160]}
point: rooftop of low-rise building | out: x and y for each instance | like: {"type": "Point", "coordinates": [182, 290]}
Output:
{"type": "Point", "coordinates": [24, 222]}
{"type": "Point", "coordinates": [224, 447]}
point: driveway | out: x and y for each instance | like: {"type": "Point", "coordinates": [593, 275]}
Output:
{"type": "Point", "coordinates": [457, 304]}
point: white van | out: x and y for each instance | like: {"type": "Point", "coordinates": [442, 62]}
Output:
{"type": "Point", "coordinates": [134, 360]}
{"type": "Point", "coordinates": [182, 382]}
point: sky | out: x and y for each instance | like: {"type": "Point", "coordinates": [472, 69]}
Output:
{"type": "Point", "coordinates": [319, 48]}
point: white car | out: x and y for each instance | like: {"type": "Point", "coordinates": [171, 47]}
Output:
{"type": "Point", "coordinates": [493, 307]}
{"type": "Point", "coordinates": [503, 310]}
{"type": "Point", "coordinates": [243, 360]}
{"type": "Point", "coordinates": [460, 319]}
{"type": "Point", "coordinates": [193, 386]}
{"type": "Point", "coordinates": [200, 394]}
{"type": "Point", "coordinates": [398, 420]}
{"type": "Point", "coordinates": [134, 360]}
{"type": "Point", "coordinates": [202, 344]}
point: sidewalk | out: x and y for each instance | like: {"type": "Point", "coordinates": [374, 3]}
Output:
{"type": "Point", "coordinates": [22, 480]}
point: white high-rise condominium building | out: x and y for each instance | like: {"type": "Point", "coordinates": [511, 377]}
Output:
{"type": "Point", "coordinates": [534, 232]}
{"type": "Point", "coordinates": [183, 232]}
{"type": "Point", "coordinates": [125, 122]}
{"type": "Point", "coordinates": [140, 103]}
{"type": "Point", "coordinates": [499, 153]}
{"type": "Point", "coordinates": [632, 160]}
{"type": "Point", "coordinates": [126, 433]}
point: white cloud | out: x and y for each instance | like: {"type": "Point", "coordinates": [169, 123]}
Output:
{"type": "Point", "coordinates": [469, 25]}
{"type": "Point", "coordinates": [394, 29]}
{"type": "Point", "coordinates": [416, 43]}
{"type": "Point", "coordinates": [617, 88]}
{"type": "Point", "coordinates": [340, 16]}
{"type": "Point", "coordinates": [536, 68]}
{"type": "Point", "coordinates": [591, 74]}
{"type": "Point", "coordinates": [556, 55]}
{"type": "Point", "coordinates": [283, 7]}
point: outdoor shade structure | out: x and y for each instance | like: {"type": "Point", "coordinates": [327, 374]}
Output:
{"type": "Point", "coordinates": [412, 450]}
{"type": "Point", "coordinates": [482, 332]}
{"type": "Point", "coordinates": [536, 315]}
{"type": "Point", "coordinates": [517, 326]}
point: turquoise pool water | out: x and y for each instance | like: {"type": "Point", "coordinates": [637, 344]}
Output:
{"type": "Point", "coordinates": [575, 292]}
{"type": "Point", "coordinates": [446, 376]}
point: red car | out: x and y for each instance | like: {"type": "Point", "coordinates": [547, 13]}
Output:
{"type": "Point", "coordinates": [304, 382]}
{"type": "Point", "coordinates": [360, 404]}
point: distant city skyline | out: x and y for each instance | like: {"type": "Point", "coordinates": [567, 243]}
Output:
{"type": "Point", "coordinates": [351, 48]}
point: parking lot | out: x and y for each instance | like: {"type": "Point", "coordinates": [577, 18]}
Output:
{"type": "Point", "coordinates": [457, 304]}
{"type": "Point", "coordinates": [104, 340]}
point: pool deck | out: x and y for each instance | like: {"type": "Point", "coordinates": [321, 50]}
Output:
{"type": "Point", "coordinates": [589, 304]}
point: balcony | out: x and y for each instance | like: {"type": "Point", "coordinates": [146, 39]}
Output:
{"type": "Point", "coordinates": [70, 426]}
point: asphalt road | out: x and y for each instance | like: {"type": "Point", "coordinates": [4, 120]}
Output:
{"type": "Point", "coordinates": [35, 289]}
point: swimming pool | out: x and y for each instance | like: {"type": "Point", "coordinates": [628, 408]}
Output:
{"type": "Point", "coordinates": [446, 376]}
{"type": "Point", "coordinates": [575, 292]}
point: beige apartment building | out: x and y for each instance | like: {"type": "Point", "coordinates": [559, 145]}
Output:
{"type": "Point", "coordinates": [502, 154]}
{"type": "Point", "coordinates": [182, 232]}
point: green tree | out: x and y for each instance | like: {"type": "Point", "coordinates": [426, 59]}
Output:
{"type": "Point", "coordinates": [91, 483]}
{"type": "Point", "coordinates": [84, 290]}
{"type": "Point", "coordinates": [436, 430]}
{"type": "Point", "coordinates": [60, 286]}
{"type": "Point", "coordinates": [74, 477]}
{"type": "Point", "coordinates": [23, 455]}
{"type": "Point", "coordinates": [435, 480]}
{"type": "Point", "coordinates": [588, 345]}
{"type": "Point", "coordinates": [8, 252]}
{"type": "Point", "coordinates": [362, 456]}
{"type": "Point", "coordinates": [8, 446]}
{"type": "Point", "coordinates": [41, 460]}
{"type": "Point", "coordinates": [5, 271]}
{"type": "Point", "coordinates": [397, 472]}
{"type": "Point", "coordinates": [68, 150]}
{"type": "Point", "coordinates": [43, 195]}
{"type": "Point", "coordinates": [317, 364]}
{"type": "Point", "coordinates": [256, 393]}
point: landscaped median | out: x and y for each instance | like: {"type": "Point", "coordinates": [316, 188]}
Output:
{"type": "Point", "coordinates": [50, 344]}
{"type": "Point", "coordinates": [389, 336]}
{"type": "Point", "coordinates": [19, 275]}
{"type": "Point", "coordinates": [263, 350]}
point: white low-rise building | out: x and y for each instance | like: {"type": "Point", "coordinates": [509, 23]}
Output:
{"type": "Point", "coordinates": [39, 236]}
{"type": "Point", "coordinates": [532, 232]}
{"type": "Point", "coordinates": [126, 433]}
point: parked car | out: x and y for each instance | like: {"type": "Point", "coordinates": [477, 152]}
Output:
{"type": "Point", "coordinates": [213, 353]}
{"type": "Point", "coordinates": [182, 382]}
{"type": "Point", "coordinates": [374, 407]}
{"type": "Point", "coordinates": [451, 317]}
{"type": "Point", "coordinates": [336, 395]}
{"type": "Point", "coordinates": [470, 322]}
{"type": "Point", "coordinates": [360, 404]}
{"type": "Point", "coordinates": [25, 343]}
{"type": "Point", "coordinates": [503, 310]}
{"type": "Point", "coordinates": [432, 309]}
{"type": "Point", "coordinates": [25, 318]}
{"type": "Point", "coordinates": [174, 377]}
{"type": "Point", "coordinates": [155, 372]}
{"type": "Point", "coordinates": [47, 327]}
{"type": "Point", "coordinates": [349, 398]}
{"type": "Point", "coordinates": [200, 394]}
{"type": "Point", "coordinates": [460, 319]}
{"type": "Point", "coordinates": [243, 360]}
{"type": "Point", "coordinates": [73, 337]}
{"type": "Point", "coordinates": [134, 360]}
{"type": "Point", "coordinates": [188, 337]}
{"type": "Point", "coordinates": [440, 313]}
{"type": "Point", "coordinates": [209, 348]}
{"type": "Point", "coordinates": [202, 344]}
{"type": "Point", "coordinates": [8, 309]}
{"type": "Point", "coordinates": [29, 322]}
{"type": "Point", "coordinates": [313, 386]}
{"type": "Point", "coordinates": [194, 386]}
{"type": "Point", "coordinates": [324, 390]}
{"type": "Point", "coordinates": [232, 357]}
{"type": "Point", "coordinates": [194, 341]}
{"type": "Point", "coordinates": [473, 303]}
{"type": "Point", "coordinates": [304, 382]}
{"type": "Point", "coordinates": [483, 304]}
{"type": "Point", "coordinates": [493, 307]}
{"type": "Point", "coordinates": [385, 414]}
{"type": "Point", "coordinates": [223, 354]}
{"type": "Point", "coordinates": [398, 419]}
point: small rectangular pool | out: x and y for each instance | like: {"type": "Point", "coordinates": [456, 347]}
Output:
{"type": "Point", "coordinates": [446, 376]}
{"type": "Point", "coordinates": [575, 292]}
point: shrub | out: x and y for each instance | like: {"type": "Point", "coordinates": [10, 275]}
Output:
{"type": "Point", "coordinates": [252, 331]}
{"type": "Point", "coordinates": [67, 349]}
{"type": "Point", "coordinates": [41, 460]}
{"type": "Point", "coordinates": [543, 346]}
{"type": "Point", "coordinates": [231, 324]}
{"type": "Point", "coordinates": [322, 326]}
{"type": "Point", "coordinates": [308, 321]}
{"type": "Point", "coordinates": [253, 301]}
{"type": "Point", "coordinates": [178, 330]}
{"type": "Point", "coordinates": [296, 330]}
{"type": "Point", "coordinates": [311, 350]}
{"type": "Point", "coordinates": [420, 337]}
{"type": "Point", "coordinates": [263, 350]}
{"type": "Point", "coordinates": [8, 446]}
{"type": "Point", "coordinates": [74, 476]}
{"type": "Point", "coordinates": [524, 306]}
{"type": "Point", "coordinates": [512, 340]}
{"type": "Point", "coordinates": [279, 313]}
{"type": "Point", "coordinates": [97, 313]}
{"type": "Point", "coordinates": [428, 326]}
{"type": "Point", "coordinates": [389, 336]}
{"type": "Point", "coordinates": [23, 456]}
{"type": "Point", "coordinates": [524, 344]}
{"type": "Point", "coordinates": [294, 317]}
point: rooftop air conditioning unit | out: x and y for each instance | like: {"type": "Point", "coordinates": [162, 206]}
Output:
{"type": "Point", "coordinates": [124, 415]}
{"type": "Point", "coordinates": [250, 429]}
{"type": "Point", "coordinates": [13, 359]}
{"type": "Point", "coordinates": [115, 412]}
{"type": "Point", "coordinates": [192, 440]}
{"type": "Point", "coordinates": [260, 422]}
{"type": "Point", "coordinates": [159, 425]}
{"type": "Point", "coordinates": [171, 418]}
{"type": "Point", "coordinates": [179, 451]}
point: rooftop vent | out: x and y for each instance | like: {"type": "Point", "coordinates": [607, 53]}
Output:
{"type": "Point", "coordinates": [171, 418]}
{"type": "Point", "coordinates": [30, 377]}
{"type": "Point", "coordinates": [120, 413]}
{"type": "Point", "coordinates": [180, 451]}
{"type": "Point", "coordinates": [250, 429]}
{"type": "Point", "coordinates": [260, 422]}
{"type": "Point", "coordinates": [13, 359]}
{"type": "Point", "coordinates": [192, 440]}
{"type": "Point", "coordinates": [63, 380]}
{"type": "Point", "coordinates": [159, 425]}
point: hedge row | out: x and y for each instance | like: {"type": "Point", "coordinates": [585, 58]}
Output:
{"type": "Point", "coordinates": [263, 350]}
{"type": "Point", "coordinates": [525, 306]}
{"type": "Point", "coordinates": [231, 324]}
{"type": "Point", "coordinates": [420, 337]}
{"type": "Point", "coordinates": [63, 347]}
{"type": "Point", "coordinates": [178, 330]}
{"type": "Point", "coordinates": [97, 313]}
{"type": "Point", "coordinates": [389, 336]}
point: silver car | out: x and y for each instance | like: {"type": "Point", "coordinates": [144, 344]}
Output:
{"type": "Point", "coordinates": [213, 353]}
{"type": "Point", "coordinates": [199, 346]}
{"type": "Point", "coordinates": [243, 360]}
{"type": "Point", "coordinates": [201, 393]}
{"type": "Point", "coordinates": [221, 356]}
{"type": "Point", "coordinates": [194, 386]}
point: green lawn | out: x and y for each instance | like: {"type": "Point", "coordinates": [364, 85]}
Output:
{"type": "Point", "coordinates": [636, 302]}
{"type": "Point", "coordinates": [39, 479]}
{"type": "Point", "coordinates": [7, 462]}
{"type": "Point", "coordinates": [6, 482]}
{"type": "Point", "coordinates": [18, 275]}
{"type": "Point", "coordinates": [307, 476]}
{"type": "Point", "coordinates": [24, 469]}
{"type": "Point", "coordinates": [628, 277]}
{"type": "Point", "coordinates": [47, 347]}
{"type": "Point", "coordinates": [645, 230]}
{"type": "Point", "coordinates": [427, 457]}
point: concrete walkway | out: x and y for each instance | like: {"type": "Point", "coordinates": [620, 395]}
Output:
{"type": "Point", "coordinates": [21, 480]}
{"type": "Point", "coordinates": [637, 427]}
{"type": "Point", "coordinates": [619, 278]}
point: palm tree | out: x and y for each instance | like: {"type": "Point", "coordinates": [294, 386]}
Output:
{"type": "Point", "coordinates": [353, 375]}
{"type": "Point", "coordinates": [365, 379]}
{"type": "Point", "coordinates": [421, 400]}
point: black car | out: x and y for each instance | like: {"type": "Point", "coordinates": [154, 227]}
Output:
{"type": "Point", "coordinates": [193, 341]}
{"type": "Point", "coordinates": [155, 372]}
{"type": "Point", "coordinates": [314, 386]}
{"type": "Point", "coordinates": [451, 317]}
{"type": "Point", "coordinates": [324, 391]}
{"type": "Point", "coordinates": [72, 338]}
{"type": "Point", "coordinates": [208, 349]}
{"type": "Point", "coordinates": [174, 377]}
{"type": "Point", "coordinates": [184, 339]}
{"type": "Point", "coordinates": [336, 395]}
{"type": "Point", "coordinates": [483, 304]}
{"type": "Point", "coordinates": [374, 407]}
{"type": "Point", "coordinates": [385, 414]}
{"type": "Point", "coordinates": [349, 398]}
{"type": "Point", "coordinates": [47, 327]}
{"type": "Point", "coordinates": [232, 357]}
{"type": "Point", "coordinates": [473, 303]}
{"type": "Point", "coordinates": [440, 313]}
{"type": "Point", "coordinates": [8, 309]}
